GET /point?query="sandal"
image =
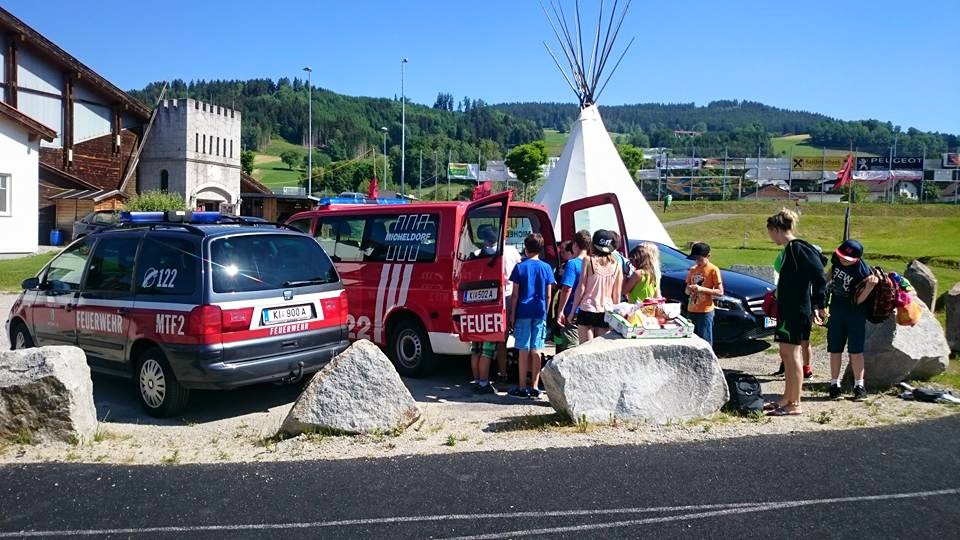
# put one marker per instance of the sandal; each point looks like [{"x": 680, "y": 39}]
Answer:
[
  {"x": 783, "y": 411},
  {"x": 771, "y": 405}
]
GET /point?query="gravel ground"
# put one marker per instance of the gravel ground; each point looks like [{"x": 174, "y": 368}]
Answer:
[{"x": 240, "y": 425}]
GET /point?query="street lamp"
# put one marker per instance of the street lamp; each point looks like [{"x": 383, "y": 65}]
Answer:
[
  {"x": 310, "y": 133},
  {"x": 386, "y": 180},
  {"x": 403, "y": 125}
]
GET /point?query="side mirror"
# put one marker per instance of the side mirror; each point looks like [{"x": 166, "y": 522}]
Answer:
[{"x": 31, "y": 283}]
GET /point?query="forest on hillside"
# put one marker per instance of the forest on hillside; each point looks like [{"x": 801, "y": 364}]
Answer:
[
  {"x": 736, "y": 126},
  {"x": 347, "y": 127}
]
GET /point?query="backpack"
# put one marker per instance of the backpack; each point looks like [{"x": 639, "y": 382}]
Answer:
[
  {"x": 745, "y": 395},
  {"x": 882, "y": 301}
]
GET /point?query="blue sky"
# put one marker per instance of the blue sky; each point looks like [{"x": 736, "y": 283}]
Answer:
[{"x": 850, "y": 59}]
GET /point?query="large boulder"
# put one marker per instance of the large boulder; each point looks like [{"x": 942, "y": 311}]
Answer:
[
  {"x": 359, "y": 391},
  {"x": 764, "y": 272},
  {"x": 893, "y": 353},
  {"x": 46, "y": 394},
  {"x": 643, "y": 380},
  {"x": 952, "y": 307},
  {"x": 924, "y": 281}
]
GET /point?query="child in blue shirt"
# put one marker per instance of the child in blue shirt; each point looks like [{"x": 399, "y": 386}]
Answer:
[{"x": 527, "y": 314}]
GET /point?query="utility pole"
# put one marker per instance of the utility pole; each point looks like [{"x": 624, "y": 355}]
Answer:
[
  {"x": 436, "y": 177},
  {"x": 420, "y": 187},
  {"x": 386, "y": 181},
  {"x": 309, "y": 133},
  {"x": 449, "y": 157},
  {"x": 403, "y": 126},
  {"x": 693, "y": 165},
  {"x": 723, "y": 194}
]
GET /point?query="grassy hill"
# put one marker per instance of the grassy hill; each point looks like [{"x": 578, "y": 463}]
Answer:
[
  {"x": 271, "y": 171},
  {"x": 556, "y": 140},
  {"x": 802, "y": 148}
]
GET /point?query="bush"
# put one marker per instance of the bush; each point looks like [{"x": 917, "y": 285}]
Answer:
[{"x": 156, "y": 201}]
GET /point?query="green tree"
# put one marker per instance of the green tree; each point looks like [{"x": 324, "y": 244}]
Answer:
[
  {"x": 632, "y": 158},
  {"x": 527, "y": 161},
  {"x": 246, "y": 162},
  {"x": 931, "y": 193},
  {"x": 855, "y": 193},
  {"x": 156, "y": 201},
  {"x": 291, "y": 158}
]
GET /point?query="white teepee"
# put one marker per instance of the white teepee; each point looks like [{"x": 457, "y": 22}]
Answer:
[{"x": 590, "y": 164}]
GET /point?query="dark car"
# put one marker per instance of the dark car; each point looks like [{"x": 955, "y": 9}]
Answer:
[
  {"x": 93, "y": 222},
  {"x": 739, "y": 312},
  {"x": 203, "y": 302}
]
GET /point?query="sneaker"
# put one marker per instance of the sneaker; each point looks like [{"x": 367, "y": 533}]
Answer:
[
  {"x": 485, "y": 389},
  {"x": 502, "y": 378},
  {"x": 835, "y": 391},
  {"x": 519, "y": 392},
  {"x": 807, "y": 372},
  {"x": 779, "y": 370},
  {"x": 859, "y": 393},
  {"x": 533, "y": 393}
]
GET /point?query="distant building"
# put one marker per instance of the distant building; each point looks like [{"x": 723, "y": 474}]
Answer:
[{"x": 193, "y": 148}]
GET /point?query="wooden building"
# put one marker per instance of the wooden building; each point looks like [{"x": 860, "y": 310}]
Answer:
[{"x": 98, "y": 126}]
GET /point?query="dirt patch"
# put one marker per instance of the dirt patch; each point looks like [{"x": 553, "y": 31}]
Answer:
[
  {"x": 264, "y": 158},
  {"x": 240, "y": 426}
]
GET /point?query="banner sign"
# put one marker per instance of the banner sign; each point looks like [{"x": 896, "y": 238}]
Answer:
[
  {"x": 463, "y": 171},
  {"x": 888, "y": 175},
  {"x": 882, "y": 163},
  {"x": 820, "y": 163},
  {"x": 678, "y": 163},
  {"x": 951, "y": 160}
]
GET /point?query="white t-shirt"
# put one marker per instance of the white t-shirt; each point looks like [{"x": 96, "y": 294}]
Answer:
[{"x": 511, "y": 258}]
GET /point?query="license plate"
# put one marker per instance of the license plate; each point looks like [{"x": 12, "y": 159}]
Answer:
[
  {"x": 479, "y": 295},
  {"x": 287, "y": 314},
  {"x": 769, "y": 322}
]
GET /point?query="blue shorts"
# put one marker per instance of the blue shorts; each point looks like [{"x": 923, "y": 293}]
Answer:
[
  {"x": 847, "y": 327},
  {"x": 529, "y": 334}
]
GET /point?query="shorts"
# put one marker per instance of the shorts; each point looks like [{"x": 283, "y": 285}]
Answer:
[
  {"x": 847, "y": 328},
  {"x": 591, "y": 319},
  {"x": 793, "y": 328},
  {"x": 486, "y": 349},
  {"x": 529, "y": 334}
]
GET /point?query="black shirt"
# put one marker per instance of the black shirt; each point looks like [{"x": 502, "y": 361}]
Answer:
[{"x": 802, "y": 284}]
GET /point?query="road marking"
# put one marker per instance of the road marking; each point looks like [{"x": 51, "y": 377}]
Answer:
[
  {"x": 759, "y": 507},
  {"x": 712, "y": 510}
]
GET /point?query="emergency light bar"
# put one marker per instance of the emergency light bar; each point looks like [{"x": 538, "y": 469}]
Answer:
[
  {"x": 173, "y": 216},
  {"x": 348, "y": 200}
]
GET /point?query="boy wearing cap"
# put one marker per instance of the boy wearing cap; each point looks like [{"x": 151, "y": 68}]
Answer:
[
  {"x": 848, "y": 316},
  {"x": 703, "y": 283},
  {"x": 533, "y": 280}
]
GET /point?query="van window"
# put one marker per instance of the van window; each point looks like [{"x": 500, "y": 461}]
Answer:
[
  {"x": 481, "y": 231},
  {"x": 302, "y": 225},
  {"x": 403, "y": 238},
  {"x": 261, "y": 262},
  {"x": 66, "y": 271},
  {"x": 518, "y": 228},
  {"x": 341, "y": 237},
  {"x": 111, "y": 267},
  {"x": 168, "y": 266}
]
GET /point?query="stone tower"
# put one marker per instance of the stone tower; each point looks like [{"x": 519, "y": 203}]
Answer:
[{"x": 194, "y": 149}]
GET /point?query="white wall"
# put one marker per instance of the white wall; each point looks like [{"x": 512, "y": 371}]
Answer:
[{"x": 18, "y": 230}]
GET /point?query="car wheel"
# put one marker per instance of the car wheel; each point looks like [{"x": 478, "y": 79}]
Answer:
[
  {"x": 409, "y": 349},
  {"x": 160, "y": 392},
  {"x": 20, "y": 337}
]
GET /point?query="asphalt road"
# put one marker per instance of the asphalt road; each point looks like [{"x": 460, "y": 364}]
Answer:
[{"x": 892, "y": 482}]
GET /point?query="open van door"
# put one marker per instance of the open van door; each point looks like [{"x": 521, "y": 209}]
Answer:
[
  {"x": 593, "y": 213},
  {"x": 479, "y": 312}
]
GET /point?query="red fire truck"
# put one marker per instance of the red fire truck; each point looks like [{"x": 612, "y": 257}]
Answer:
[{"x": 417, "y": 281}]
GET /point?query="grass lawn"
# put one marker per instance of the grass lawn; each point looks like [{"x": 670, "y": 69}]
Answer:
[
  {"x": 891, "y": 235},
  {"x": 14, "y": 271},
  {"x": 802, "y": 148},
  {"x": 274, "y": 173}
]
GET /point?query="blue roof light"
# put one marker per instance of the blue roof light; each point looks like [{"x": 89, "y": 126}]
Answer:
[
  {"x": 349, "y": 200},
  {"x": 174, "y": 216}
]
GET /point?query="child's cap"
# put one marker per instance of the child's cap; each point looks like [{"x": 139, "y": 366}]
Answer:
[
  {"x": 487, "y": 232},
  {"x": 604, "y": 241},
  {"x": 850, "y": 251},
  {"x": 700, "y": 249}
]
